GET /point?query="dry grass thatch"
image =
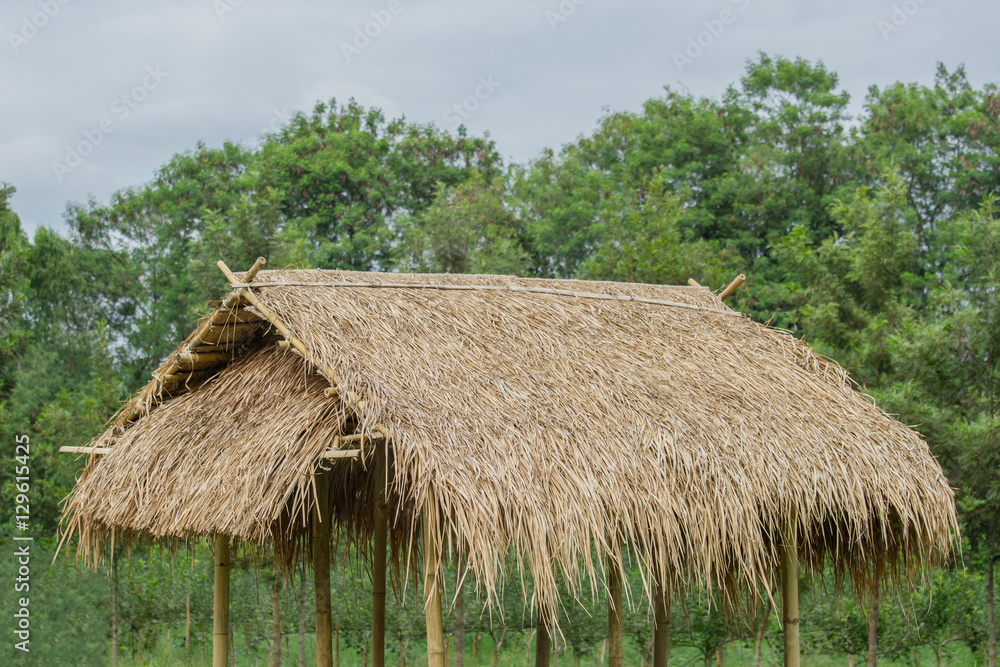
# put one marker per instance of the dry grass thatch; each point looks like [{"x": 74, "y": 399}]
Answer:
[{"x": 547, "y": 426}]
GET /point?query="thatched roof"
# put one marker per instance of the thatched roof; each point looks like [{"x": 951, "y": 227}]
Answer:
[{"x": 544, "y": 425}]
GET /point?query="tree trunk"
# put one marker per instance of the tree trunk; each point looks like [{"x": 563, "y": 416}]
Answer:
[
  {"x": 459, "y": 617},
  {"x": 720, "y": 656},
  {"x": 991, "y": 614},
  {"x": 872, "y": 629},
  {"x": 232, "y": 646},
  {"x": 336, "y": 655},
  {"x": 275, "y": 623},
  {"x": 604, "y": 646},
  {"x": 114, "y": 607},
  {"x": 850, "y": 660},
  {"x": 302, "y": 617},
  {"x": 494, "y": 655}
]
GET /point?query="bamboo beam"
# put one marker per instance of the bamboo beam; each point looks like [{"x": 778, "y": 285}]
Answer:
[
  {"x": 378, "y": 562},
  {"x": 790, "y": 593},
  {"x": 615, "y": 654},
  {"x": 728, "y": 292},
  {"x": 229, "y": 303},
  {"x": 321, "y": 572},
  {"x": 543, "y": 641},
  {"x": 199, "y": 360},
  {"x": 661, "y": 632},
  {"x": 432, "y": 590},
  {"x": 341, "y": 453},
  {"x": 220, "y": 603},
  {"x": 67, "y": 449}
]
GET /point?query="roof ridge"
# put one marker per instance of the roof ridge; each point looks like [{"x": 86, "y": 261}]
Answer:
[{"x": 490, "y": 288}]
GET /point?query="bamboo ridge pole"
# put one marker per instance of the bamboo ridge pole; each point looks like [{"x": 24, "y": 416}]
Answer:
[
  {"x": 615, "y": 652},
  {"x": 432, "y": 590},
  {"x": 378, "y": 562},
  {"x": 244, "y": 287},
  {"x": 220, "y": 603},
  {"x": 321, "y": 572},
  {"x": 790, "y": 593}
]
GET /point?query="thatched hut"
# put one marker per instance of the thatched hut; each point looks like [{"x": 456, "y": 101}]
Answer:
[{"x": 509, "y": 417}]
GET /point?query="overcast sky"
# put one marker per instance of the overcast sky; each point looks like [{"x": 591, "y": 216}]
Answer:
[{"x": 96, "y": 95}]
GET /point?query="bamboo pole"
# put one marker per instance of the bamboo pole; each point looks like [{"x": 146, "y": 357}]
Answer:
[
  {"x": 432, "y": 590},
  {"x": 321, "y": 572},
  {"x": 728, "y": 292},
  {"x": 378, "y": 562},
  {"x": 790, "y": 593},
  {"x": 71, "y": 449},
  {"x": 341, "y": 453},
  {"x": 661, "y": 633},
  {"x": 543, "y": 641},
  {"x": 220, "y": 603},
  {"x": 615, "y": 652}
]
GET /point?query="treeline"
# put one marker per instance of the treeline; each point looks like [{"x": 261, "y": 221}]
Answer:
[{"x": 876, "y": 238}]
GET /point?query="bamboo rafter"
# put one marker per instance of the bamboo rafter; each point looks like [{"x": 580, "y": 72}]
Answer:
[{"x": 243, "y": 289}]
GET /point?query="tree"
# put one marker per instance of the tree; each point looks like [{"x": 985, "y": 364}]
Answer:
[{"x": 467, "y": 229}]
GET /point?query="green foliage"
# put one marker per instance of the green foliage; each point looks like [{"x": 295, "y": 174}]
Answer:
[{"x": 879, "y": 244}]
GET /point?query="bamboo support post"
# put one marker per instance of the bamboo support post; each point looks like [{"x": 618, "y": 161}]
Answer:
[
  {"x": 378, "y": 562},
  {"x": 220, "y": 604},
  {"x": 615, "y": 650},
  {"x": 790, "y": 593},
  {"x": 661, "y": 631},
  {"x": 543, "y": 641},
  {"x": 321, "y": 572},
  {"x": 432, "y": 590},
  {"x": 728, "y": 292}
]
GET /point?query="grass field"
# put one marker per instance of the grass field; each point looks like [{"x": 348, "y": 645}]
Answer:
[{"x": 516, "y": 653}]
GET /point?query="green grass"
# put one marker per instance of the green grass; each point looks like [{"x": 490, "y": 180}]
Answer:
[{"x": 516, "y": 652}]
